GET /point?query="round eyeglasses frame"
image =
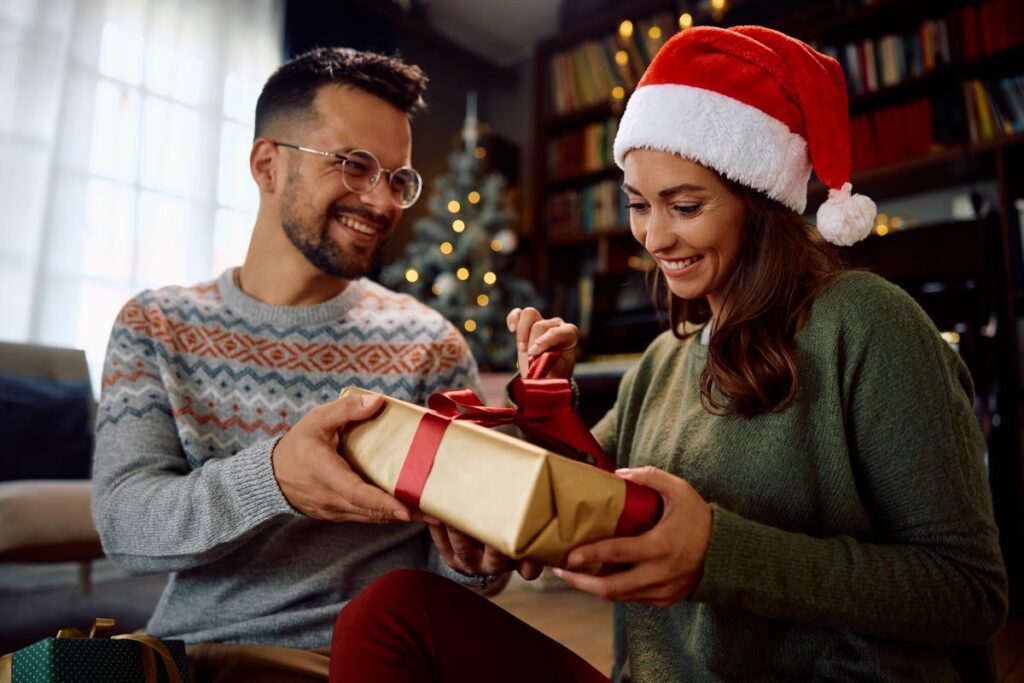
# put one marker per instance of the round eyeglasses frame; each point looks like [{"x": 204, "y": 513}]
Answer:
[{"x": 343, "y": 158}]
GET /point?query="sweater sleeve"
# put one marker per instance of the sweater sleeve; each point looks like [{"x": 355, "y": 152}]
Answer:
[
  {"x": 153, "y": 511},
  {"x": 933, "y": 571},
  {"x": 606, "y": 431}
]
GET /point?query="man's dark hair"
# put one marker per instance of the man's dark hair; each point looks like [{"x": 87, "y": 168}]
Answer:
[{"x": 292, "y": 88}]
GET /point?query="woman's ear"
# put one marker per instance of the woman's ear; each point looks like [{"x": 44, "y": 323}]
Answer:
[{"x": 262, "y": 164}]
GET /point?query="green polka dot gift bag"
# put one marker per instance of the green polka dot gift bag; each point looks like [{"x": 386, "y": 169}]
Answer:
[{"x": 72, "y": 657}]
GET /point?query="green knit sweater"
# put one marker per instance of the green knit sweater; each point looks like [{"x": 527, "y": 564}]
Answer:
[{"x": 853, "y": 536}]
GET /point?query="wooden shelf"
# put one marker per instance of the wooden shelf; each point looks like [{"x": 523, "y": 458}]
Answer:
[
  {"x": 1006, "y": 63},
  {"x": 942, "y": 168},
  {"x": 922, "y": 86},
  {"x": 565, "y": 122},
  {"x": 583, "y": 179}
]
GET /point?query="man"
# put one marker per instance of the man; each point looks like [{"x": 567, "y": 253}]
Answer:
[{"x": 216, "y": 453}]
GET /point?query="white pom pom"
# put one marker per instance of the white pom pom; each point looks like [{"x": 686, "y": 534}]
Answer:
[{"x": 844, "y": 218}]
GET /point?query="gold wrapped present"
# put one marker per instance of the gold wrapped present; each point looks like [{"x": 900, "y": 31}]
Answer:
[{"x": 524, "y": 500}]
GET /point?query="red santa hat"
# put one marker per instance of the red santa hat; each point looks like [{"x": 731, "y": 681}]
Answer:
[{"x": 758, "y": 107}]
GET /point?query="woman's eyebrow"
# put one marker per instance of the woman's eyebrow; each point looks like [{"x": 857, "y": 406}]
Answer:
[{"x": 668, "y": 191}]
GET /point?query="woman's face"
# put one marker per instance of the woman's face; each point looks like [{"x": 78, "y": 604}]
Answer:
[{"x": 688, "y": 219}]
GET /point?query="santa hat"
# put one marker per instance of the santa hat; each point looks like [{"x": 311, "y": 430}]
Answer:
[{"x": 758, "y": 107}]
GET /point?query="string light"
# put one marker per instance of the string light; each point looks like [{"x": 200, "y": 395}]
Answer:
[
  {"x": 626, "y": 29},
  {"x": 470, "y": 325},
  {"x": 483, "y": 300},
  {"x": 654, "y": 32},
  {"x": 622, "y": 58},
  {"x": 618, "y": 92},
  {"x": 473, "y": 197},
  {"x": 458, "y": 225},
  {"x": 462, "y": 273},
  {"x": 446, "y": 248},
  {"x": 479, "y": 152},
  {"x": 718, "y": 4},
  {"x": 490, "y": 278},
  {"x": 411, "y": 275},
  {"x": 454, "y": 206},
  {"x": 496, "y": 245},
  {"x": 436, "y": 289},
  {"x": 685, "y": 20},
  {"x": 896, "y": 223}
]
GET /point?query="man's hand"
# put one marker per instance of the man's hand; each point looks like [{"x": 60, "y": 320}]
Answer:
[
  {"x": 469, "y": 556},
  {"x": 317, "y": 481}
]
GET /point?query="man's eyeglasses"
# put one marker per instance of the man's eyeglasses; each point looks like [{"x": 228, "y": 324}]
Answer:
[{"x": 361, "y": 171}]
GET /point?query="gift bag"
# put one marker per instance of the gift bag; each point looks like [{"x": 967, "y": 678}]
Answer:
[
  {"x": 72, "y": 657},
  {"x": 523, "y": 499}
]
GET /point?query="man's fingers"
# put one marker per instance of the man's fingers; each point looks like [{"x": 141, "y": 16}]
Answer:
[
  {"x": 468, "y": 551},
  {"x": 360, "y": 494},
  {"x": 529, "y": 570},
  {"x": 330, "y": 417},
  {"x": 494, "y": 562}
]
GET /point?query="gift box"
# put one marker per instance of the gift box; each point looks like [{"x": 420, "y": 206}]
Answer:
[
  {"x": 525, "y": 500},
  {"x": 72, "y": 657}
]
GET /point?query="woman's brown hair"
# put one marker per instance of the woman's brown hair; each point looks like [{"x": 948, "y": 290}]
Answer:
[{"x": 784, "y": 263}]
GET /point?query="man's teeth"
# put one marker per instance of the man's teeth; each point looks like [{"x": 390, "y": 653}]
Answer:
[
  {"x": 679, "y": 265},
  {"x": 356, "y": 225}
]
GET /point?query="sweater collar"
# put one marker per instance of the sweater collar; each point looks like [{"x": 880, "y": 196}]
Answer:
[{"x": 244, "y": 306}]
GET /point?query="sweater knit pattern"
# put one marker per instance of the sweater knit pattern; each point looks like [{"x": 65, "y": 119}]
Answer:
[
  {"x": 199, "y": 385},
  {"x": 852, "y": 534}
]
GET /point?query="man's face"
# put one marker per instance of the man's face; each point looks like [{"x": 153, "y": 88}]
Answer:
[{"x": 337, "y": 230}]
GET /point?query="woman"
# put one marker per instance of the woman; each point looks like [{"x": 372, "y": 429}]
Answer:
[{"x": 826, "y": 507}]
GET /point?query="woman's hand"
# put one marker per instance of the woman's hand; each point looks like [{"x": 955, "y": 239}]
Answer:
[
  {"x": 535, "y": 335},
  {"x": 469, "y": 556},
  {"x": 666, "y": 562}
]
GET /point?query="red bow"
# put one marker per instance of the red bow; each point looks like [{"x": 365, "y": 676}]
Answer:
[{"x": 545, "y": 414}]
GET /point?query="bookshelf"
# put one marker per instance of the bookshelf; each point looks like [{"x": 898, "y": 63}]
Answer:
[{"x": 936, "y": 104}]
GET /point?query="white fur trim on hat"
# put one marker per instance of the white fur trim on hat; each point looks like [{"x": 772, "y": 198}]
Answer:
[{"x": 735, "y": 139}]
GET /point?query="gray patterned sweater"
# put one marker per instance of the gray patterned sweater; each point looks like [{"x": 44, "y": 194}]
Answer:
[{"x": 198, "y": 386}]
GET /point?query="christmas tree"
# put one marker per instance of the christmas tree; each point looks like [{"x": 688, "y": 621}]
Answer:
[{"x": 461, "y": 259}]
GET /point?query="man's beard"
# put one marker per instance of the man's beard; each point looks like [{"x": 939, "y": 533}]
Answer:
[{"x": 312, "y": 237}]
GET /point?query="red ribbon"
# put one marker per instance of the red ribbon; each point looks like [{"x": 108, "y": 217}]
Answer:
[{"x": 545, "y": 415}]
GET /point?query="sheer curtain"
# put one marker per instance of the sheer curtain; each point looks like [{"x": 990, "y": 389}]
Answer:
[{"x": 125, "y": 128}]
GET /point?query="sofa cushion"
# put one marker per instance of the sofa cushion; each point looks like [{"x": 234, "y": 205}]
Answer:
[
  {"x": 47, "y": 521},
  {"x": 45, "y": 428}
]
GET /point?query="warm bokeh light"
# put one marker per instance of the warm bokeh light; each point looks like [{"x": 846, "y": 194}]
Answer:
[
  {"x": 626, "y": 29},
  {"x": 470, "y": 325},
  {"x": 458, "y": 225},
  {"x": 622, "y": 58},
  {"x": 483, "y": 300},
  {"x": 473, "y": 197},
  {"x": 479, "y": 152},
  {"x": 462, "y": 273},
  {"x": 446, "y": 248},
  {"x": 618, "y": 92},
  {"x": 490, "y": 278},
  {"x": 454, "y": 206},
  {"x": 685, "y": 20},
  {"x": 436, "y": 289},
  {"x": 654, "y": 32},
  {"x": 717, "y": 4},
  {"x": 496, "y": 245},
  {"x": 411, "y": 275}
]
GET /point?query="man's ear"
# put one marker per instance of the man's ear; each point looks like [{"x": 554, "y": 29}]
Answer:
[{"x": 262, "y": 164}]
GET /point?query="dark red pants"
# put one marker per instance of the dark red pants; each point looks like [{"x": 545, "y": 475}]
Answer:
[{"x": 416, "y": 626}]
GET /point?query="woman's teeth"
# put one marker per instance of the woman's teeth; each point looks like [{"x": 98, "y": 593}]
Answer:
[
  {"x": 679, "y": 265},
  {"x": 356, "y": 225}
]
